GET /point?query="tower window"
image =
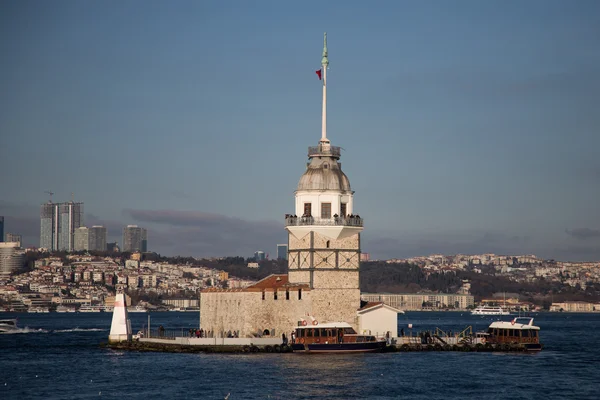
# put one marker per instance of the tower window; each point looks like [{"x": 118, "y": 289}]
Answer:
[
  {"x": 263, "y": 295},
  {"x": 299, "y": 294},
  {"x": 275, "y": 295},
  {"x": 327, "y": 244},
  {"x": 343, "y": 209},
  {"x": 326, "y": 210},
  {"x": 287, "y": 294},
  {"x": 307, "y": 209}
]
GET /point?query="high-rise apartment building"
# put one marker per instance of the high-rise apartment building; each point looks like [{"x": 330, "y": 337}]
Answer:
[
  {"x": 58, "y": 222},
  {"x": 11, "y": 258},
  {"x": 259, "y": 255},
  {"x": 282, "y": 250},
  {"x": 14, "y": 238},
  {"x": 1, "y": 228},
  {"x": 97, "y": 238},
  {"x": 82, "y": 239},
  {"x": 135, "y": 239}
]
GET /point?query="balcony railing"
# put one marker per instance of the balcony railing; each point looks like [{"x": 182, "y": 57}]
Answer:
[
  {"x": 324, "y": 150},
  {"x": 353, "y": 220}
]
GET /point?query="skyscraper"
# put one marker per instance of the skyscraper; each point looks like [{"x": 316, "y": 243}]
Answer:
[
  {"x": 282, "y": 251},
  {"x": 11, "y": 258},
  {"x": 135, "y": 239},
  {"x": 1, "y": 228},
  {"x": 97, "y": 238},
  {"x": 259, "y": 255},
  {"x": 58, "y": 222},
  {"x": 13, "y": 237},
  {"x": 82, "y": 239}
]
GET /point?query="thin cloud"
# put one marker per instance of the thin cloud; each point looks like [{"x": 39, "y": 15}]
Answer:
[
  {"x": 201, "y": 234},
  {"x": 583, "y": 233}
]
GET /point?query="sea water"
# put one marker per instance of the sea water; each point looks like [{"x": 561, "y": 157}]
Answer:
[{"x": 58, "y": 356}]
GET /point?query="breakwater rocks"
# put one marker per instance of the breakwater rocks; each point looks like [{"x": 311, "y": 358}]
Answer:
[
  {"x": 181, "y": 348},
  {"x": 479, "y": 347},
  {"x": 249, "y": 349}
]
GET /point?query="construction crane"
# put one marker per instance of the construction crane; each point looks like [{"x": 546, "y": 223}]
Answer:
[{"x": 50, "y": 193}]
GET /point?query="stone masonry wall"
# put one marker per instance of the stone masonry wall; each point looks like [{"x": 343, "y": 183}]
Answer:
[
  {"x": 333, "y": 305},
  {"x": 249, "y": 314},
  {"x": 340, "y": 279}
]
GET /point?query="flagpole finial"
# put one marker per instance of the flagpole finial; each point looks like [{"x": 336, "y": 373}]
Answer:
[
  {"x": 324, "y": 63},
  {"x": 325, "y": 60}
]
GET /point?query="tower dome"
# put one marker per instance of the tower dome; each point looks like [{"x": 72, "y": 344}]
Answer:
[{"x": 324, "y": 172}]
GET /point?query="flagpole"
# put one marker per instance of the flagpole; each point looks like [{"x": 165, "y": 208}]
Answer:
[{"x": 324, "y": 64}]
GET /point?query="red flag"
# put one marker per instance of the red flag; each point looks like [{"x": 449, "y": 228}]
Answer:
[{"x": 318, "y": 72}]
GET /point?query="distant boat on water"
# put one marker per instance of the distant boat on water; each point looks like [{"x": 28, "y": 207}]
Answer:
[
  {"x": 137, "y": 309},
  {"x": 90, "y": 308},
  {"x": 488, "y": 310},
  {"x": 65, "y": 309},
  {"x": 8, "y": 325}
]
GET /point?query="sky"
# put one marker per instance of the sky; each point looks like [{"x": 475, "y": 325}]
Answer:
[{"x": 466, "y": 126}]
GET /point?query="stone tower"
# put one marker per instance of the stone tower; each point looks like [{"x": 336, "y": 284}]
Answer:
[{"x": 324, "y": 232}]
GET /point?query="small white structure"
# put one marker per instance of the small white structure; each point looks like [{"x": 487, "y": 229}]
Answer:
[
  {"x": 120, "y": 329},
  {"x": 378, "y": 319}
]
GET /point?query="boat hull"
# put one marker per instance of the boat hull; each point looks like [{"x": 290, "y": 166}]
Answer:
[{"x": 339, "y": 347}]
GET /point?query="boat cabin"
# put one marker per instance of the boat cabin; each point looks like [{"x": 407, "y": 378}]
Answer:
[
  {"x": 519, "y": 330},
  {"x": 330, "y": 333}
]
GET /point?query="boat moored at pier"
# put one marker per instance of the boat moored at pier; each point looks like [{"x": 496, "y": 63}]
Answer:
[
  {"x": 519, "y": 332},
  {"x": 334, "y": 337}
]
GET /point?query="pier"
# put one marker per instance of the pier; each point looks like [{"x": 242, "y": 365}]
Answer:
[{"x": 176, "y": 341}]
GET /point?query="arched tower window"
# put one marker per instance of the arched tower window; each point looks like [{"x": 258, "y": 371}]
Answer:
[{"x": 327, "y": 244}]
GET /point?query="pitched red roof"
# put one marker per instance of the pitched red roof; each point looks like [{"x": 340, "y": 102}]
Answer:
[{"x": 270, "y": 283}]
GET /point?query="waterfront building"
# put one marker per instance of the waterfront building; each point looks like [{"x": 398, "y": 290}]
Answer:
[
  {"x": 13, "y": 237},
  {"x": 322, "y": 284},
  {"x": 421, "y": 301},
  {"x": 135, "y": 239},
  {"x": 575, "y": 306},
  {"x": 282, "y": 250},
  {"x": 97, "y": 238},
  {"x": 11, "y": 258},
  {"x": 58, "y": 222},
  {"x": 82, "y": 238}
]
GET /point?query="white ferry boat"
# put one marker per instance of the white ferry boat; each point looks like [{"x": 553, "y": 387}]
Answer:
[
  {"x": 137, "y": 309},
  {"x": 8, "y": 325},
  {"x": 64, "y": 309},
  {"x": 90, "y": 308},
  {"x": 519, "y": 332},
  {"x": 487, "y": 310},
  {"x": 38, "y": 310}
]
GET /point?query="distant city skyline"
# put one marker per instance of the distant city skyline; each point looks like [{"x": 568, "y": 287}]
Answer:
[{"x": 466, "y": 128}]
